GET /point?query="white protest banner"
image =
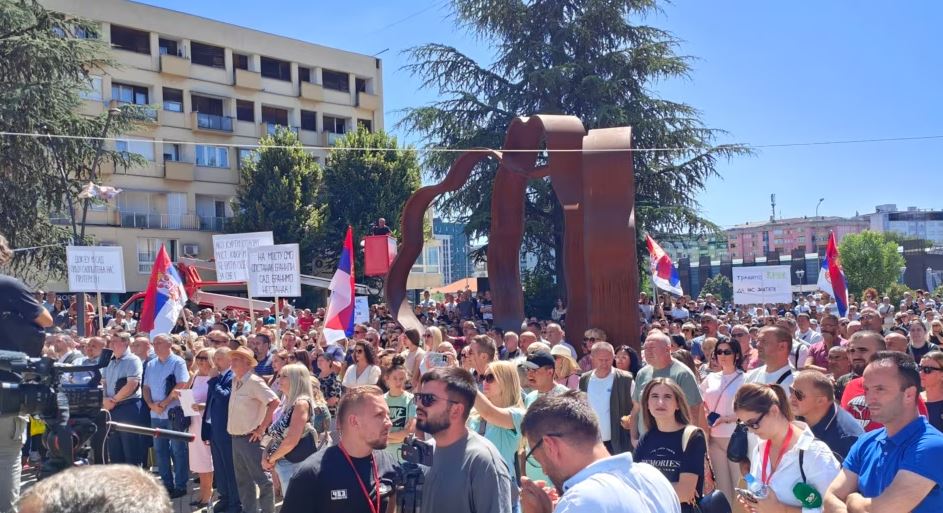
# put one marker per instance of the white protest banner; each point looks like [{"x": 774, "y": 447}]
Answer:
[
  {"x": 361, "y": 310},
  {"x": 762, "y": 284},
  {"x": 274, "y": 271},
  {"x": 230, "y": 253},
  {"x": 95, "y": 268}
]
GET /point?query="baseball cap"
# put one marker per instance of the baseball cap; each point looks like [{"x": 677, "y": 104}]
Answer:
[{"x": 537, "y": 360}]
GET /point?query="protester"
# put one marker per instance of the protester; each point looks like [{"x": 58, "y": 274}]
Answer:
[
  {"x": 365, "y": 370},
  {"x": 671, "y": 443},
  {"x": 776, "y": 345},
  {"x": 251, "y": 408},
  {"x": 98, "y": 489},
  {"x": 919, "y": 340},
  {"x": 499, "y": 411},
  {"x": 609, "y": 391},
  {"x": 788, "y": 453},
  {"x": 896, "y": 467},
  {"x": 121, "y": 383},
  {"x": 443, "y": 407},
  {"x": 292, "y": 435},
  {"x": 200, "y": 454},
  {"x": 812, "y": 398},
  {"x": 861, "y": 347},
  {"x": 481, "y": 352},
  {"x": 718, "y": 390},
  {"x": 401, "y": 405},
  {"x": 627, "y": 360},
  {"x": 413, "y": 355},
  {"x": 566, "y": 371},
  {"x": 931, "y": 379},
  {"x": 328, "y": 363},
  {"x": 562, "y": 434},
  {"x": 162, "y": 375},
  {"x": 214, "y": 429}
]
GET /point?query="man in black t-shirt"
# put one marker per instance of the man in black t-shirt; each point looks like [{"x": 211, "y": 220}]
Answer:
[{"x": 346, "y": 478}]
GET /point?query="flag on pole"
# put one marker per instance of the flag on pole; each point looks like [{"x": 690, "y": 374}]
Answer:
[
  {"x": 164, "y": 298},
  {"x": 339, "y": 320},
  {"x": 832, "y": 277},
  {"x": 664, "y": 274}
]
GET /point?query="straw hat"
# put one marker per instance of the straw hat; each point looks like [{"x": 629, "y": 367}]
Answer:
[
  {"x": 246, "y": 353},
  {"x": 564, "y": 352}
]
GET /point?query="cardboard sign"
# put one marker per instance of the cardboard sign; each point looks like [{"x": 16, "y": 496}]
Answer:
[
  {"x": 274, "y": 271},
  {"x": 762, "y": 284},
  {"x": 95, "y": 268},
  {"x": 361, "y": 310},
  {"x": 230, "y": 253}
]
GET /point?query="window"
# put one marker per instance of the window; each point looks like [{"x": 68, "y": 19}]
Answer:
[
  {"x": 247, "y": 154},
  {"x": 309, "y": 120},
  {"x": 304, "y": 74},
  {"x": 126, "y": 93},
  {"x": 124, "y": 38},
  {"x": 173, "y": 99},
  {"x": 361, "y": 85},
  {"x": 142, "y": 147},
  {"x": 277, "y": 69},
  {"x": 86, "y": 33},
  {"x": 212, "y": 156},
  {"x": 206, "y": 105},
  {"x": 245, "y": 110},
  {"x": 94, "y": 89},
  {"x": 367, "y": 124},
  {"x": 207, "y": 55},
  {"x": 336, "y": 80},
  {"x": 171, "y": 152},
  {"x": 147, "y": 252},
  {"x": 240, "y": 61},
  {"x": 334, "y": 125},
  {"x": 274, "y": 116},
  {"x": 169, "y": 47}
]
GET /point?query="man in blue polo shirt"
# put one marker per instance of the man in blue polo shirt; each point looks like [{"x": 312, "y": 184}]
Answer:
[
  {"x": 897, "y": 467},
  {"x": 161, "y": 376}
]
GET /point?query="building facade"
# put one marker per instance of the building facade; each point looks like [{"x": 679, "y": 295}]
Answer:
[
  {"x": 455, "y": 262},
  {"x": 784, "y": 236},
  {"x": 912, "y": 223},
  {"x": 215, "y": 89}
]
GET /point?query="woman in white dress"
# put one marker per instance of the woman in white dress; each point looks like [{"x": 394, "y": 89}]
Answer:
[
  {"x": 201, "y": 460},
  {"x": 365, "y": 370}
]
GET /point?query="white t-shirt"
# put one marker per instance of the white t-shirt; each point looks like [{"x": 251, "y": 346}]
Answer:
[
  {"x": 800, "y": 348},
  {"x": 715, "y": 384},
  {"x": 600, "y": 392},
  {"x": 760, "y": 375},
  {"x": 369, "y": 376},
  {"x": 809, "y": 337},
  {"x": 680, "y": 314}
]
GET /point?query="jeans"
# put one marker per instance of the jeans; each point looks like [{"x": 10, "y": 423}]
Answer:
[
  {"x": 285, "y": 469},
  {"x": 126, "y": 447},
  {"x": 224, "y": 473},
  {"x": 171, "y": 450},
  {"x": 247, "y": 461},
  {"x": 12, "y": 434}
]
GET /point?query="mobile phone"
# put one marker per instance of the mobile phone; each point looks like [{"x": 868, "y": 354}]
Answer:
[
  {"x": 747, "y": 494},
  {"x": 437, "y": 360}
]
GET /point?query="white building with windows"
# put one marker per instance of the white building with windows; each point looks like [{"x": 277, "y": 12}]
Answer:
[{"x": 911, "y": 223}]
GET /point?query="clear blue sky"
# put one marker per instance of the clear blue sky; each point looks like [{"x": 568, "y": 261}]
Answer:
[{"x": 767, "y": 72}]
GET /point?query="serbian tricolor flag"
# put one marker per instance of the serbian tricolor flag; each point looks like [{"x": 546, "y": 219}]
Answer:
[
  {"x": 339, "y": 320},
  {"x": 164, "y": 298},
  {"x": 832, "y": 277},
  {"x": 664, "y": 274}
]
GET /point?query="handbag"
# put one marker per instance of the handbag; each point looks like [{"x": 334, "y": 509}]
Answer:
[
  {"x": 716, "y": 501},
  {"x": 178, "y": 421},
  {"x": 304, "y": 448},
  {"x": 738, "y": 446}
]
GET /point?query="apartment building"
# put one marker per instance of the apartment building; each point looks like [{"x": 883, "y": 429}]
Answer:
[
  {"x": 214, "y": 87},
  {"x": 755, "y": 240},
  {"x": 911, "y": 223}
]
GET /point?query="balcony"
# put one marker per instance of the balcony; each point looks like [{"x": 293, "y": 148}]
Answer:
[
  {"x": 270, "y": 128},
  {"x": 149, "y": 220},
  {"x": 314, "y": 92},
  {"x": 368, "y": 101},
  {"x": 331, "y": 137},
  {"x": 210, "y": 122},
  {"x": 247, "y": 79},
  {"x": 214, "y": 224},
  {"x": 173, "y": 65},
  {"x": 175, "y": 170}
]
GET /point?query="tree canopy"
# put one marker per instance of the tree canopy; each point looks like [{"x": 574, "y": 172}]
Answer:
[{"x": 869, "y": 259}]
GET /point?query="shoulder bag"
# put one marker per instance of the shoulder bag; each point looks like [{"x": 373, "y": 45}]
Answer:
[{"x": 716, "y": 501}]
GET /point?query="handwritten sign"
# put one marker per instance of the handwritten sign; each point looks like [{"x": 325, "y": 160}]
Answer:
[
  {"x": 95, "y": 268},
  {"x": 274, "y": 271},
  {"x": 230, "y": 253},
  {"x": 361, "y": 310},
  {"x": 762, "y": 284}
]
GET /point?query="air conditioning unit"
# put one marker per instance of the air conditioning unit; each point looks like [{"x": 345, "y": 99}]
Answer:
[{"x": 191, "y": 250}]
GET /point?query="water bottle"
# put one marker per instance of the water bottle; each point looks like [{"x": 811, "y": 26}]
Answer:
[{"x": 755, "y": 486}]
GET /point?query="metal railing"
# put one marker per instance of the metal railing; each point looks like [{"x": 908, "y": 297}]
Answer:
[
  {"x": 214, "y": 122},
  {"x": 271, "y": 128},
  {"x": 151, "y": 221}
]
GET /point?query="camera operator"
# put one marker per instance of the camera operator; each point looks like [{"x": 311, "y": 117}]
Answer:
[
  {"x": 468, "y": 474},
  {"x": 345, "y": 478},
  {"x": 20, "y": 313},
  {"x": 122, "y": 380}
]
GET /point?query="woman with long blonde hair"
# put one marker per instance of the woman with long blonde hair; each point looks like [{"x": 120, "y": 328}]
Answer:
[
  {"x": 499, "y": 409},
  {"x": 291, "y": 424}
]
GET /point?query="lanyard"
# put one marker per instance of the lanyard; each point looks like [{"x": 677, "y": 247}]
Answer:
[
  {"x": 376, "y": 479},
  {"x": 782, "y": 451}
]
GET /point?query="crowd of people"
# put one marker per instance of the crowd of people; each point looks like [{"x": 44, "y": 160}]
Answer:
[{"x": 751, "y": 401}]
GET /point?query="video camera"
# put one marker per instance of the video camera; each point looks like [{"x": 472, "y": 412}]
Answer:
[{"x": 417, "y": 457}]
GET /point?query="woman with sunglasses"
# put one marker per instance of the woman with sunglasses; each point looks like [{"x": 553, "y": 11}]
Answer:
[
  {"x": 936, "y": 332},
  {"x": 774, "y": 463},
  {"x": 364, "y": 371},
  {"x": 279, "y": 360},
  {"x": 666, "y": 417},
  {"x": 201, "y": 458},
  {"x": 931, "y": 379},
  {"x": 718, "y": 390},
  {"x": 499, "y": 410},
  {"x": 292, "y": 422},
  {"x": 590, "y": 337}
]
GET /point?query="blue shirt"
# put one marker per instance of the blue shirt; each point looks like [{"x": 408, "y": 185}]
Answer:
[
  {"x": 618, "y": 485},
  {"x": 124, "y": 366},
  {"x": 918, "y": 448},
  {"x": 155, "y": 378},
  {"x": 264, "y": 368}
]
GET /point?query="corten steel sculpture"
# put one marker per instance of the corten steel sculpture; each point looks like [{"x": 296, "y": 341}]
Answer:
[{"x": 597, "y": 191}]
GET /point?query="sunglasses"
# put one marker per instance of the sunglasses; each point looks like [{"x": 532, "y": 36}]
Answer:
[
  {"x": 489, "y": 378},
  {"x": 202, "y": 358},
  {"x": 359, "y": 332},
  {"x": 428, "y": 335},
  {"x": 585, "y": 339},
  {"x": 754, "y": 424},
  {"x": 800, "y": 395},
  {"x": 427, "y": 400},
  {"x": 738, "y": 335},
  {"x": 925, "y": 369},
  {"x": 358, "y": 351},
  {"x": 723, "y": 352}
]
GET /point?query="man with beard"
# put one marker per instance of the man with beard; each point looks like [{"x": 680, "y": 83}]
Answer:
[
  {"x": 346, "y": 478},
  {"x": 468, "y": 473}
]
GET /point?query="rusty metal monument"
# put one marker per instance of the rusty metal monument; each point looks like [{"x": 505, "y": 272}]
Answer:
[{"x": 591, "y": 174}]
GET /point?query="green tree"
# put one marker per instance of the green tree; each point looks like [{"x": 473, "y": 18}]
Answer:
[
  {"x": 45, "y": 63},
  {"x": 278, "y": 191},
  {"x": 896, "y": 292},
  {"x": 869, "y": 259},
  {"x": 720, "y": 286},
  {"x": 361, "y": 186},
  {"x": 589, "y": 58}
]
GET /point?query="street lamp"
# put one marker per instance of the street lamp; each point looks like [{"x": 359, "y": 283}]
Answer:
[
  {"x": 817, "y": 206},
  {"x": 800, "y": 273}
]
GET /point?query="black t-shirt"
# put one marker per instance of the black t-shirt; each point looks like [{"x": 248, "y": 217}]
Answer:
[
  {"x": 920, "y": 352},
  {"x": 935, "y": 414},
  {"x": 662, "y": 450},
  {"x": 19, "y": 310},
  {"x": 324, "y": 483}
]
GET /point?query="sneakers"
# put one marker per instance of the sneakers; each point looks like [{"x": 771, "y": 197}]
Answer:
[{"x": 177, "y": 493}]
